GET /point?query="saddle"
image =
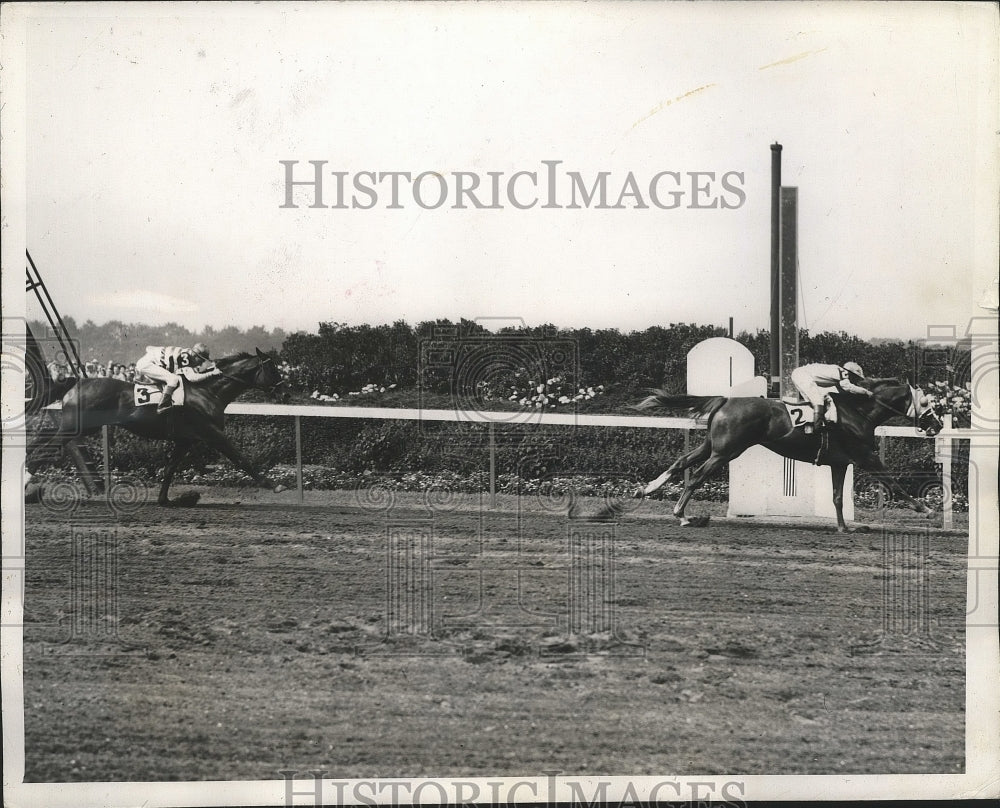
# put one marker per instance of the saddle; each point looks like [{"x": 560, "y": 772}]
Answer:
[{"x": 149, "y": 394}]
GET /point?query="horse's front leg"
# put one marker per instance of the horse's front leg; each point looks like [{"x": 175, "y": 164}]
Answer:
[
  {"x": 874, "y": 466},
  {"x": 177, "y": 454},
  {"x": 838, "y": 475},
  {"x": 218, "y": 441}
]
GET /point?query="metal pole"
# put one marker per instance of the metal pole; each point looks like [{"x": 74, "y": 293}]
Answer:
[
  {"x": 946, "y": 481},
  {"x": 106, "y": 446},
  {"x": 687, "y": 446},
  {"x": 493, "y": 467},
  {"x": 881, "y": 456},
  {"x": 52, "y": 315},
  {"x": 789, "y": 313},
  {"x": 775, "y": 356},
  {"x": 298, "y": 456}
]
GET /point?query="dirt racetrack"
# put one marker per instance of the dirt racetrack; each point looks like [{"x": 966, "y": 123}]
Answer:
[{"x": 397, "y": 635}]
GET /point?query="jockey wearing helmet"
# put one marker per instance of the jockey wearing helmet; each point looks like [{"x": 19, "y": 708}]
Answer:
[
  {"x": 816, "y": 381},
  {"x": 163, "y": 364}
]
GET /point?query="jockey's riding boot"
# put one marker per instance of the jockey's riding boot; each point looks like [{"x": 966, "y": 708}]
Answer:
[
  {"x": 166, "y": 402},
  {"x": 819, "y": 421}
]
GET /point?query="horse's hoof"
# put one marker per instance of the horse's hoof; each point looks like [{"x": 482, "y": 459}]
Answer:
[{"x": 186, "y": 500}]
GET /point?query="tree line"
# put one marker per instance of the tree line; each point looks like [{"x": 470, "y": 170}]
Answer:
[{"x": 338, "y": 357}]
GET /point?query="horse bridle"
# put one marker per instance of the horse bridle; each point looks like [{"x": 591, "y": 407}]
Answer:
[
  {"x": 913, "y": 405},
  {"x": 262, "y": 360},
  {"x": 270, "y": 390}
]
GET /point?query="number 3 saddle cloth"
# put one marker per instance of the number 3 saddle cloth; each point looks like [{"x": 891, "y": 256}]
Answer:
[{"x": 145, "y": 394}]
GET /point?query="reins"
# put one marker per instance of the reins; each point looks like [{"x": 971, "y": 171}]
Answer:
[
  {"x": 917, "y": 415},
  {"x": 260, "y": 365},
  {"x": 894, "y": 411}
]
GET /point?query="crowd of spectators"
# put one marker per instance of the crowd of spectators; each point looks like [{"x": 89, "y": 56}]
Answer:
[{"x": 94, "y": 370}]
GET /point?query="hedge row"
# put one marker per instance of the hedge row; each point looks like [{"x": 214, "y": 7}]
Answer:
[{"x": 351, "y": 447}]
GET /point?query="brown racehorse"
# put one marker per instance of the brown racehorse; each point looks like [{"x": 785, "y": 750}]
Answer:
[
  {"x": 93, "y": 403},
  {"x": 736, "y": 424}
]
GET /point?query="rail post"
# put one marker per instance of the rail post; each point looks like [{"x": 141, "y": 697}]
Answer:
[
  {"x": 298, "y": 457},
  {"x": 493, "y": 466},
  {"x": 945, "y": 447},
  {"x": 881, "y": 488},
  {"x": 106, "y": 447},
  {"x": 687, "y": 447}
]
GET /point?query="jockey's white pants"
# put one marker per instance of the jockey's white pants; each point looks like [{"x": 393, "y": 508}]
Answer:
[
  {"x": 158, "y": 373},
  {"x": 806, "y": 385}
]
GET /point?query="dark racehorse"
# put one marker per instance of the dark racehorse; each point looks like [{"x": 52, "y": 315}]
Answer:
[
  {"x": 93, "y": 403},
  {"x": 736, "y": 424}
]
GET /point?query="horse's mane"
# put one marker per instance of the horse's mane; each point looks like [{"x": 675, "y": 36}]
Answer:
[
  {"x": 876, "y": 385},
  {"x": 226, "y": 361}
]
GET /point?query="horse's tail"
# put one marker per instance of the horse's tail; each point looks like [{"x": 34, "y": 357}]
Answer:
[
  {"x": 60, "y": 389},
  {"x": 705, "y": 406},
  {"x": 50, "y": 391}
]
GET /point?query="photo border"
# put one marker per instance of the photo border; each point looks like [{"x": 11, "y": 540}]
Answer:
[{"x": 983, "y": 659}]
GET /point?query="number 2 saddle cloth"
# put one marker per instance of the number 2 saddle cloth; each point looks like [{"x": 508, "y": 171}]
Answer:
[{"x": 801, "y": 412}]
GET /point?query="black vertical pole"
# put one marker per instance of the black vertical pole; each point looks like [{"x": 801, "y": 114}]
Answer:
[
  {"x": 36, "y": 285},
  {"x": 789, "y": 287},
  {"x": 775, "y": 356}
]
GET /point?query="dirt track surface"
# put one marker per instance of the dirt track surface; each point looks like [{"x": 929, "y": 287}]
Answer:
[{"x": 405, "y": 636}]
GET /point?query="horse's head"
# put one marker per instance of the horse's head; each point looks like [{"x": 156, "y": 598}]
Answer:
[
  {"x": 257, "y": 371},
  {"x": 268, "y": 378},
  {"x": 927, "y": 412},
  {"x": 902, "y": 399}
]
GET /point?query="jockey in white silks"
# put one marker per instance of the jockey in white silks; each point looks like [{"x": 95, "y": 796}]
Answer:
[
  {"x": 164, "y": 364},
  {"x": 816, "y": 381}
]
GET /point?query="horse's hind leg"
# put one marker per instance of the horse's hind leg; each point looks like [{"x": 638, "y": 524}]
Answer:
[
  {"x": 45, "y": 447},
  {"x": 686, "y": 460},
  {"x": 706, "y": 469}
]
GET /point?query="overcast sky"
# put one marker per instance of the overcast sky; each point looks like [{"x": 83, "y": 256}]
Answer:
[{"x": 154, "y": 136}]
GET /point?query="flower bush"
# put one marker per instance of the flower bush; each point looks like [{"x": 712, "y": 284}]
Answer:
[
  {"x": 368, "y": 390},
  {"x": 550, "y": 393},
  {"x": 954, "y": 399}
]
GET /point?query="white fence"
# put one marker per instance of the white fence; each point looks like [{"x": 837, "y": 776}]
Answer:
[{"x": 542, "y": 418}]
